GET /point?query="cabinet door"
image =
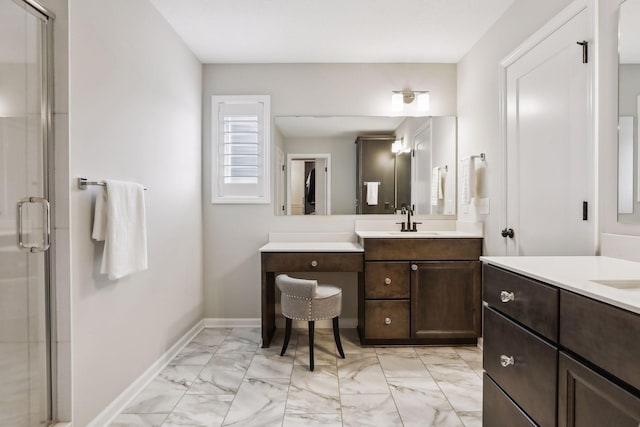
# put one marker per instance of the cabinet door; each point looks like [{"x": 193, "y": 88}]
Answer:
[
  {"x": 586, "y": 399},
  {"x": 445, "y": 299}
]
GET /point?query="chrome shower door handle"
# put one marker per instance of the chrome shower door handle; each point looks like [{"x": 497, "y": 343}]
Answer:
[{"x": 46, "y": 224}]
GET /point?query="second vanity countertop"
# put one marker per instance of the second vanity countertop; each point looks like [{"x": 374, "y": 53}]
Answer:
[
  {"x": 581, "y": 274},
  {"x": 446, "y": 234}
]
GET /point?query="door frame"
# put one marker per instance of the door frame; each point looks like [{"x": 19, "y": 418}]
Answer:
[
  {"x": 530, "y": 43},
  {"x": 309, "y": 156}
]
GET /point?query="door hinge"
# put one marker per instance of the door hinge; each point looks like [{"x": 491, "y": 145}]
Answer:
[
  {"x": 413, "y": 153},
  {"x": 282, "y": 208},
  {"x": 325, "y": 169},
  {"x": 585, "y": 211},
  {"x": 585, "y": 51},
  {"x": 282, "y": 168}
]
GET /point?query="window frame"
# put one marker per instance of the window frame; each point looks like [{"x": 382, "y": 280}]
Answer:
[{"x": 265, "y": 152}]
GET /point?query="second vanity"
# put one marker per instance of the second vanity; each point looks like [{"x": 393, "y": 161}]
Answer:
[{"x": 561, "y": 341}]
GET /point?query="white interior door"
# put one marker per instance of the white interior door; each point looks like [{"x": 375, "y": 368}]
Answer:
[
  {"x": 549, "y": 149},
  {"x": 321, "y": 186}
]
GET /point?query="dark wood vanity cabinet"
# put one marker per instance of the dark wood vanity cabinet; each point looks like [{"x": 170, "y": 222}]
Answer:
[
  {"x": 555, "y": 357},
  {"x": 588, "y": 399},
  {"x": 421, "y": 291},
  {"x": 445, "y": 299}
]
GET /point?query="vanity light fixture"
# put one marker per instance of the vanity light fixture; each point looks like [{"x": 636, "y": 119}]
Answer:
[
  {"x": 397, "y": 146},
  {"x": 400, "y": 99}
]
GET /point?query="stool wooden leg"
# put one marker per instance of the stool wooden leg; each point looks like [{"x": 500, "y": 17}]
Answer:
[
  {"x": 336, "y": 335},
  {"x": 287, "y": 335},
  {"x": 312, "y": 326}
]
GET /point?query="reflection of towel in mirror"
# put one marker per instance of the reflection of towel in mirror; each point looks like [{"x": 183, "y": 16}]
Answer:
[
  {"x": 372, "y": 193},
  {"x": 436, "y": 186},
  {"x": 467, "y": 181}
]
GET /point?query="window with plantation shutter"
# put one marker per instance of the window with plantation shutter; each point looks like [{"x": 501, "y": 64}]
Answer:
[{"x": 240, "y": 149}]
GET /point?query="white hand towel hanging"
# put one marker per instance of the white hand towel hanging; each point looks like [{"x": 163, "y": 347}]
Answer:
[
  {"x": 372, "y": 193},
  {"x": 125, "y": 233},
  {"x": 468, "y": 181}
]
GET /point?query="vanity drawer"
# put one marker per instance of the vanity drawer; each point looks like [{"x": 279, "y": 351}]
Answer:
[
  {"x": 523, "y": 365},
  {"x": 607, "y": 336},
  {"x": 527, "y": 301},
  {"x": 425, "y": 249},
  {"x": 386, "y": 280},
  {"x": 386, "y": 318},
  {"x": 312, "y": 261},
  {"x": 498, "y": 410}
]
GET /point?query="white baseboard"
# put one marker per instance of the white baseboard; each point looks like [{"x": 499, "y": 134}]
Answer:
[
  {"x": 231, "y": 323},
  {"x": 122, "y": 401}
]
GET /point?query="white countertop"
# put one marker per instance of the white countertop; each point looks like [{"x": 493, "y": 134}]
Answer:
[
  {"x": 312, "y": 247},
  {"x": 577, "y": 273},
  {"x": 444, "y": 234}
]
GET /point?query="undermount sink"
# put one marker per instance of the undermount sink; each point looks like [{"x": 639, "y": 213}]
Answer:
[
  {"x": 413, "y": 233},
  {"x": 632, "y": 285}
]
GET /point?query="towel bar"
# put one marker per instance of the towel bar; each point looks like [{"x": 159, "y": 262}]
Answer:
[
  {"x": 84, "y": 182},
  {"x": 480, "y": 156}
]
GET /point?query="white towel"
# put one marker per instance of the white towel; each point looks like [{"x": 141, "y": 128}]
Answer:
[
  {"x": 435, "y": 186},
  {"x": 120, "y": 221},
  {"x": 100, "y": 217},
  {"x": 372, "y": 193},
  {"x": 467, "y": 190}
]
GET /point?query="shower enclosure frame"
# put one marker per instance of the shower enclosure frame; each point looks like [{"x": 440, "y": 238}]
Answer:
[{"x": 46, "y": 18}]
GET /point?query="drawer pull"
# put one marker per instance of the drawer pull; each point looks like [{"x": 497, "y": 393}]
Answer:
[
  {"x": 387, "y": 281},
  {"x": 506, "y": 296},
  {"x": 505, "y": 361},
  {"x": 314, "y": 263},
  {"x": 414, "y": 267},
  {"x": 387, "y": 320}
]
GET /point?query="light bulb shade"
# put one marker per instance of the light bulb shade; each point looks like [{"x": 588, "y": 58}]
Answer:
[
  {"x": 396, "y": 102},
  {"x": 396, "y": 147},
  {"x": 424, "y": 102}
]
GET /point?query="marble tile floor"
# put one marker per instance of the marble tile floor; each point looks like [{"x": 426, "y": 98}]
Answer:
[{"x": 224, "y": 378}]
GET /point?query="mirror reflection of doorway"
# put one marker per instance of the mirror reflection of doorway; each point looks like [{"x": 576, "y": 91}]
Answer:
[{"x": 308, "y": 186}]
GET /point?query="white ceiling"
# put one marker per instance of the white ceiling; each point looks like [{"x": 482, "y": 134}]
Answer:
[{"x": 307, "y": 31}]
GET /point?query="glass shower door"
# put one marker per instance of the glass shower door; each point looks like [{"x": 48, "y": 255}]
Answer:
[{"x": 24, "y": 219}]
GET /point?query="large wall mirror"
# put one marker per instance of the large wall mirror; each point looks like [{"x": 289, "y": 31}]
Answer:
[
  {"x": 628, "y": 110},
  {"x": 345, "y": 165}
]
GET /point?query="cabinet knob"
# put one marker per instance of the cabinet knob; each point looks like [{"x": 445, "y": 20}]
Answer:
[
  {"x": 506, "y": 360},
  {"x": 387, "y": 320},
  {"x": 314, "y": 263},
  {"x": 387, "y": 281},
  {"x": 414, "y": 267},
  {"x": 506, "y": 296}
]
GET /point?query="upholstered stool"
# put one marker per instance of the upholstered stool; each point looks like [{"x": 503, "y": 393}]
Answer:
[{"x": 304, "y": 300}]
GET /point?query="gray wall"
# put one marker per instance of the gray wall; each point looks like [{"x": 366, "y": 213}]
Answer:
[
  {"x": 234, "y": 233},
  {"x": 135, "y": 114}
]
